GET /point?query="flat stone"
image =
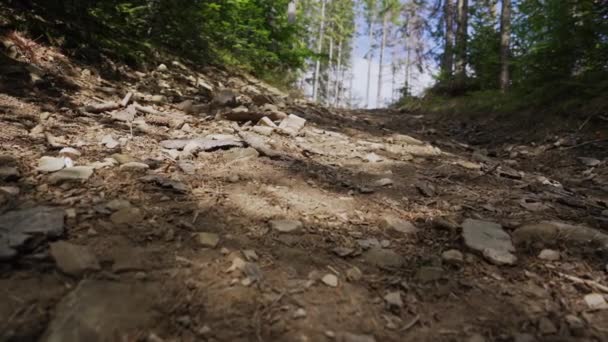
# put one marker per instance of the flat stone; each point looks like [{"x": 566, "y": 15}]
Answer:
[
  {"x": 549, "y": 255},
  {"x": 72, "y": 259},
  {"x": 286, "y": 226},
  {"x": 553, "y": 232},
  {"x": 10, "y": 190},
  {"x": 71, "y": 174},
  {"x": 102, "y": 310},
  {"x": 398, "y": 225},
  {"x": 382, "y": 182},
  {"x": 292, "y": 125},
  {"x": 596, "y": 301},
  {"x": 69, "y": 152},
  {"x": 134, "y": 166},
  {"x": 240, "y": 154},
  {"x": 50, "y": 164},
  {"x": 393, "y": 300},
  {"x": 383, "y": 258},
  {"x": 128, "y": 215},
  {"x": 591, "y": 162},
  {"x": 490, "y": 239},
  {"x": 452, "y": 256},
  {"x": 427, "y": 274},
  {"x": 17, "y": 227},
  {"x": 330, "y": 280},
  {"x": 499, "y": 257},
  {"x": 109, "y": 142},
  {"x": 207, "y": 240},
  {"x": 123, "y": 158},
  {"x": 405, "y": 139}
]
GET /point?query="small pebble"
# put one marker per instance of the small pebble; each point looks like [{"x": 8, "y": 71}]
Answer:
[{"x": 330, "y": 280}]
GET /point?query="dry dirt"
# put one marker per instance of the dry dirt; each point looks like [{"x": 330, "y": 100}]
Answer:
[{"x": 341, "y": 177}]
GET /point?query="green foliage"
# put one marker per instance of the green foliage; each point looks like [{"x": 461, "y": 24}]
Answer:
[
  {"x": 253, "y": 34},
  {"x": 558, "y": 59}
]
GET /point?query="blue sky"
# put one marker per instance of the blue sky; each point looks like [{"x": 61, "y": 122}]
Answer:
[{"x": 419, "y": 81}]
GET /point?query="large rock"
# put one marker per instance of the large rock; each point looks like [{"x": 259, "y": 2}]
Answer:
[
  {"x": 9, "y": 173},
  {"x": 18, "y": 227},
  {"x": 71, "y": 174},
  {"x": 292, "y": 125},
  {"x": 100, "y": 311},
  {"x": 489, "y": 239},
  {"x": 548, "y": 233},
  {"x": 398, "y": 225},
  {"x": 72, "y": 259},
  {"x": 50, "y": 164}
]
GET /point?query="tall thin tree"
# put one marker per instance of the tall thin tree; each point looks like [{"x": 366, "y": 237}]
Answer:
[
  {"x": 315, "y": 87},
  {"x": 460, "y": 69},
  {"x": 448, "y": 50},
  {"x": 505, "y": 42}
]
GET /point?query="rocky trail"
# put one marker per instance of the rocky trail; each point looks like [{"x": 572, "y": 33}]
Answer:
[{"x": 177, "y": 205}]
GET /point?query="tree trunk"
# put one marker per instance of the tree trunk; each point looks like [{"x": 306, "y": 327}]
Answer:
[
  {"x": 337, "y": 78},
  {"x": 448, "y": 53},
  {"x": 505, "y": 40},
  {"x": 315, "y": 87},
  {"x": 370, "y": 55},
  {"x": 380, "y": 65},
  {"x": 330, "y": 66},
  {"x": 407, "y": 73},
  {"x": 461, "y": 43}
]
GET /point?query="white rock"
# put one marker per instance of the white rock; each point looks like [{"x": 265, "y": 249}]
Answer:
[
  {"x": 77, "y": 173},
  {"x": 330, "y": 280},
  {"x": 490, "y": 239},
  {"x": 398, "y": 225},
  {"x": 373, "y": 158},
  {"x": 299, "y": 313},
  {"x": 207, "y": 240},
  {"x": 134, "y": 166},
  {"x": 393, "y": 299},
  {"x": 293, "y": 124},
  {"x": 549, "y": 255},
  {"x": 452, "y": 256},
  {"x": 70, "y": 152},
  {"x": 286, "y": 226},
  {"x": 596, "y": 301},
  {"x": 50, "y": 164},
  {"x": 109, "y": 142}
]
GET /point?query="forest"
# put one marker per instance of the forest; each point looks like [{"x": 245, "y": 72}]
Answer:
[
  {"x": 537, "y": 50},
  {"x": 303, "y": 170}
]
